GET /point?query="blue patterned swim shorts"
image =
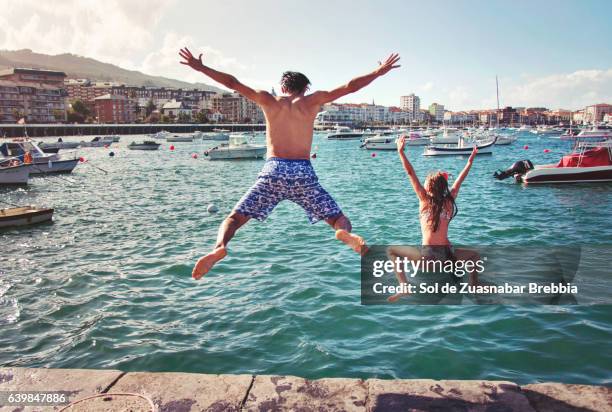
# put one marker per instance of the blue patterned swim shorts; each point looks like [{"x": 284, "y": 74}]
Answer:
[{"x": 289, "y": 179}]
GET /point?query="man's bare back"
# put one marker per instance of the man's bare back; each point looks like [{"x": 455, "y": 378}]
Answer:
[{"x": 289, "y": 126}]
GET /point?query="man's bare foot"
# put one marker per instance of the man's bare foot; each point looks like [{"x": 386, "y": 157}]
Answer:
[
  {"x": 397, "y": 297},
  {"x": 205, "y": 263},
  {"x": 354, "y": 241}
]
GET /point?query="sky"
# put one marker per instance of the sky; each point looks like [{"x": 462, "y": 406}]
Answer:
[{"x": 555, "y": 54}]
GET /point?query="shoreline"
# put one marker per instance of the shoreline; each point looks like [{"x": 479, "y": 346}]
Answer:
[{"x": 176, "y": 391}]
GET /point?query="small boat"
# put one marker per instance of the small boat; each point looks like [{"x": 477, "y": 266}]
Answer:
[
  {"x": 42, "y": 163},
  {"x": 459, "y": 150},
  {"x": 98, "y": 141},
  {"x": 238, "y": 147},
  {"x": 17, "y": 174},
  {"x": 54, "y": 147},
  {"x": 116, "y": 138},
  {"x": 216, "y": 136},
  {"x": 345, "y": 133},
  {"x": 447, "y": 136},
  {"x": 379, "y": 142},
  {"x": 593, "y": 134},
  {"x": 588, "y": 162},
  {"x": 159, "y": 135},
  {"x": 178, "y": 138},
  {"x": 505, "y": 140},
  {"x": 146, "y": 145},
  {"x": 24, "y": 216}
]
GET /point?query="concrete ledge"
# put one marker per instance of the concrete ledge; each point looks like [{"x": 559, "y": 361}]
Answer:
[{"x": 186, "y": 392}]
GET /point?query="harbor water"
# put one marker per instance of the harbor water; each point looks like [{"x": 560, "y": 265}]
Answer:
[{"x": 108, "y": 285}]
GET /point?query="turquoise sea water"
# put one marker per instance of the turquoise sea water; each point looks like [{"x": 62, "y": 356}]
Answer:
[{"x": 108, "y": 285}]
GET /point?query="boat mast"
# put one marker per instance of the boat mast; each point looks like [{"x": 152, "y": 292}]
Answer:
[{"x": 497, "y": 92}]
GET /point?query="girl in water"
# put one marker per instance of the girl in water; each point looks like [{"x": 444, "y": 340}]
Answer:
[{"x": 436, "y": 209}]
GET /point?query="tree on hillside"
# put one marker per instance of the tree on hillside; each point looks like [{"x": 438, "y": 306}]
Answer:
[{"x": 200, "y": 117}]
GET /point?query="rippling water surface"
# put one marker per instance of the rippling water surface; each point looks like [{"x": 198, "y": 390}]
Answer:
[{"x": 108, "y": 285}]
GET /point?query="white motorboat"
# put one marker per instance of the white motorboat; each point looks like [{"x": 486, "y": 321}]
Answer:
[
  {"x": 42, "y": 163},
  {"x": 379, "y": 142},
  {"x": 593, "y": 134},
  {"x": 589, "y": 162},
  {"x": 460, "y": 149},
  {"x": 16, "y": 174},
  {"x": 345, "y": 133},
  {"x": 98, "y": 141},
  {"x": 216, "y": 136},
  {"x": 180, "y": 138},
  {"x": 447, "y": 136},
  {"x": 238, "y": 147},
  {"x": 547, "y": 131},
  {"x": 525, "y": 128},
  {"x": 24, "y": 216},
  {"x": 50, "y": 147},
  {"x": 163, "y": 134},
  {"x": 146, "y": 145},
  {"x": 504, "y": 140}
]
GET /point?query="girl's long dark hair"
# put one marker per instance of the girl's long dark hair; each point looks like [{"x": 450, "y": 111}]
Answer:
[{"x": 438, "y": 194}]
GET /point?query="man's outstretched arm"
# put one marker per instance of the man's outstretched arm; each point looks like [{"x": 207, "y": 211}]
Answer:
[
  {"x": 322, "y": 97},
  {"x": 258, "y": 96}
]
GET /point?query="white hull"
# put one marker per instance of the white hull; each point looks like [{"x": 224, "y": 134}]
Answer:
[
  {"x": 503, "y": 141},
  {"x": 458, "y": 151},
  {"x": 16, "y": 175},
  {"x": 445, "y": 140},
  {"x": 177, "y": 139},
  {"x": 143, "y": 147},
  {"x": 551, "y": 174},
  {"x": 223, "y": 153},
  {"x": 101, "y": 143},
  {"x": 55, "y": 167},
  {"x": 59, "y": 145}
]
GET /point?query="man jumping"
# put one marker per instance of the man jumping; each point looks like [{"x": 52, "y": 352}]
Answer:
[{"x": 287, "y": 173}]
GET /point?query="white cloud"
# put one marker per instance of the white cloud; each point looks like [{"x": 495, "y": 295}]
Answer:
[
  {"x": 427, "y": 86},
  {"x": 569, "y": 90},
  {"x": 165, "y": 60},
  {"x": 110, "y": 30}
]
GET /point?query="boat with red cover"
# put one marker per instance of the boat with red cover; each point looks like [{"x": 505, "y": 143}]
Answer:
[{"x": 589, "y": 162}]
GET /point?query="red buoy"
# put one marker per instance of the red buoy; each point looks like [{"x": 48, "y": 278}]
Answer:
[
  {"x": 373, "y": 154},
  {"x": 82, "y": 159},
  {"x": 171, "y": 147},
  {"x": 546, "y": 150},
  {"x": 195, "y": 155},
  {"x": 525, "y": 147}
]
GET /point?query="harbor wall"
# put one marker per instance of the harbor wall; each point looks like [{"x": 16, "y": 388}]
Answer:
[{"x": 171, "y": 391}]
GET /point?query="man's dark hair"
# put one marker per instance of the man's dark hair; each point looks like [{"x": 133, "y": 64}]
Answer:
[{"x": 294, "y": 82}]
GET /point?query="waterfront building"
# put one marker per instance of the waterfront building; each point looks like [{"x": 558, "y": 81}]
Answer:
[
  {"x": 595, "y": 113},
  {"x": 436, "y": 111},
  {"x": 112, "y": 108},
  {"x": 412, "y": 104},
  {"x": 236, "y": 108},
  {"x": 37, "y": 76},
  {"x": 32, "y": 94},
  {"x": 175, "y": 109}
]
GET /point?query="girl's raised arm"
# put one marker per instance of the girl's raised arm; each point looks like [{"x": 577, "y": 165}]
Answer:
[{"x": 416, "y": 184}]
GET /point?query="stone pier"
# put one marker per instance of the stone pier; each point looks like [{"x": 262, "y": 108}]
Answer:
[{"x": 113, "y": 390}]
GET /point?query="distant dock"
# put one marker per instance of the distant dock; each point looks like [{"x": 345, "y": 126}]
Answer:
[
  {"x": 88, "y": 129},
  {"x": 198, "y": 392}
]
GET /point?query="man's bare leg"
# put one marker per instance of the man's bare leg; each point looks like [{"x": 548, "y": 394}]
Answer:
[
  {"x": 343, "y": 233},
  {"x": 226, "y": 232}
]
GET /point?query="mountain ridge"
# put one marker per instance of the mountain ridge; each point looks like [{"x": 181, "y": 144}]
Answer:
[{"x": 80, "y": 67}]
